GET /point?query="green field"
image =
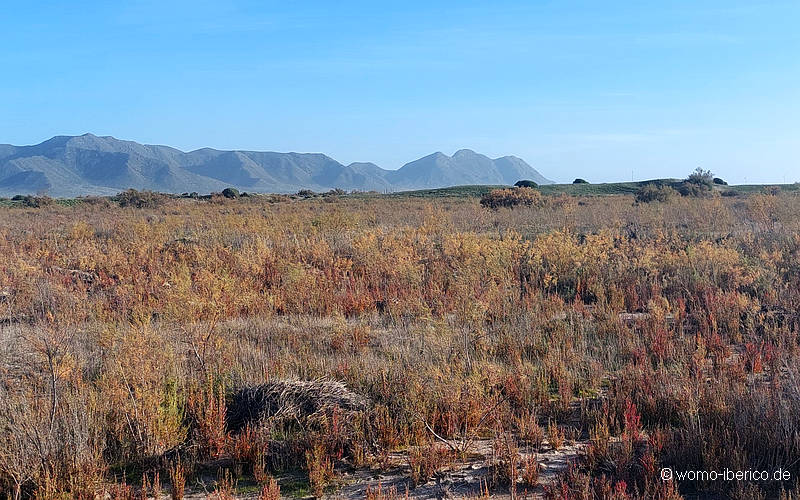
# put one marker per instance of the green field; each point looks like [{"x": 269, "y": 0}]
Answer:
[{"x": 610, "y": 188}]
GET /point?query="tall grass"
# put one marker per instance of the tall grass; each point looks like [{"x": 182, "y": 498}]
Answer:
[{"x": 665, "y": 333}]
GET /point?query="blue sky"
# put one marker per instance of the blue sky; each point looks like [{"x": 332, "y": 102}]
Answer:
[{"x": 600, "y": 90}]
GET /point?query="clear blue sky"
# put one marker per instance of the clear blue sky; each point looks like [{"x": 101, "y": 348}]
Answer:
[{"x": 593, "y": 89}]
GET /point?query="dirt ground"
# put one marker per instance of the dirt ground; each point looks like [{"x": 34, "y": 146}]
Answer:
[{"x": 463, "y": 479}]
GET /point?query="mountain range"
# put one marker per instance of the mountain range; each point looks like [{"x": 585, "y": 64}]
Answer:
[{"x": 66, "y": 166}]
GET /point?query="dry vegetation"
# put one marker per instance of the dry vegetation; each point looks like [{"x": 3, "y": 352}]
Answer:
[{"x": 142, "y": 347}]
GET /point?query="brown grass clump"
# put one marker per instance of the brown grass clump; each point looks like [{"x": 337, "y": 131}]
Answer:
[
  {"x": 426, "y": 460},
  {"x": 177, "y": 480},
  {"x": 530, "y": 471},
  {"x": 320, "y": 469},
  {"x": 225, "y": 487},
  {"x": 555, "y": 436},
  {"x": 507, "y": 461},
  {"x": 270, "y": 490},
  {"x": 380, "y": 493}
]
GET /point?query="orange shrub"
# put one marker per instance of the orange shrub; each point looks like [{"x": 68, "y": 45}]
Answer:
[{"x": 512, "y": 197}]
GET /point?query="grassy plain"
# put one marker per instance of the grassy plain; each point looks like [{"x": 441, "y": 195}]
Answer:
[{"x": 653, "y": 335}]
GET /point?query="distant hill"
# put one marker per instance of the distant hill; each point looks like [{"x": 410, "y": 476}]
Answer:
[
  {"x": 67, "y": 166},
  {"x": 464, "y": 167}
]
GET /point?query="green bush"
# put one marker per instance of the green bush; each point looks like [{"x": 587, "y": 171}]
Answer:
[
  {"x": 719, "y": 182},
  {"x": 526, "y": 184},
  {"x": 230, "y": 193},
  {"x": 701, "y": 177},
  {"x": 580, "y": 181}
]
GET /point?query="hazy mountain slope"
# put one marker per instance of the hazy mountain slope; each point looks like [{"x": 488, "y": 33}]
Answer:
[
  {"x": 434, "y": 170},
  {"x": 71, "y": 166},
  {"x": 7, "y": 150},
  {"x": 23, "y": 182},
  {"x": 464, "y": 167},
  {"x": 88, "y": 164},
  {"x": 513, "y": 169}
]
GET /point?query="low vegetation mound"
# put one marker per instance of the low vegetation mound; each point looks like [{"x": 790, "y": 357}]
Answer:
[
  {"x": 295, "y": 399},
  {"x": 650, "y": 193},
  {"x": 700, "y": 183},
  {"x": 140, "y": 199},
  {"x": 510, "y": 198}
]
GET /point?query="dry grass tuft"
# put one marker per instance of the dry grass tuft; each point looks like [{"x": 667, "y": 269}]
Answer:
[{"x": 292, "y": 399}]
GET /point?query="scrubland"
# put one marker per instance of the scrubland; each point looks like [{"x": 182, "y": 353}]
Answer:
[{"x": 652, "y": 335}]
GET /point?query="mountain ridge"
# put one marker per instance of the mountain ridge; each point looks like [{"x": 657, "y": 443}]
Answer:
[{"x": 87, "y": 164}]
